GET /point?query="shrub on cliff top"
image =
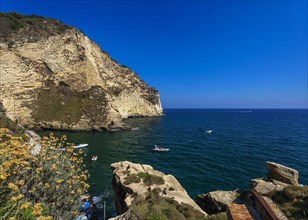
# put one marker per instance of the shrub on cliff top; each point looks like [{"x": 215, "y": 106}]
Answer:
[
  {"x": 155, "y": 206},
  {"x": 46, "y": 186},
  {"x": 147, "y": 179},
  {"x": 293, "y": 201}
]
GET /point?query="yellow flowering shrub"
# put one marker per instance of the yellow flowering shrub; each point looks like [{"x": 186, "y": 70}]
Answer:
[{"x": 46, "y": 186}]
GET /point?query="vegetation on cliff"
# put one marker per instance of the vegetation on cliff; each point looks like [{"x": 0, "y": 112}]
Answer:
[
  {"x": 5, "y": 122},
  {"x": 46, "y": 186},
  {"x": 31, "y": 28},
  {"x": 293, "y": 201},
  {"x": 146, "y": 178},
  {"x": 53, "y": 99},
  {"x": 155, "y": 206}
]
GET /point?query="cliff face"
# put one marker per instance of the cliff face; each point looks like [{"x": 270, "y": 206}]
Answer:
[{"x": 53, "y": 76}]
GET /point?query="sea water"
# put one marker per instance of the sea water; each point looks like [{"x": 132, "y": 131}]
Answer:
[{"x": 225, "y": 159}]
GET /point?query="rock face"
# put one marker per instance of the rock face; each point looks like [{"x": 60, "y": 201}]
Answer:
[
  {"x": 53, "y": 76},
  {"x": 264, "y": 187},
  {"x": 143, "y": 190},
  {"x": 216, "y": 201},
  {"x": 281, "y": 173}
]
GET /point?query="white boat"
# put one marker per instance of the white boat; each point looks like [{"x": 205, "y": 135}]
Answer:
[
  {"x": 209, "y": 131},
  {"x": 75, "y": 147},
  {"x": 135, "y": 129},
  {"x": 161, "y": 149},
  {"x": 80, "y": 146},
  {"x": 94, "y": 158}
]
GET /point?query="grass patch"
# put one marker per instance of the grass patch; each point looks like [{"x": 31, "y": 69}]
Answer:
[
  {"x": 149, "y": 179},
  {"x": 157, "y": 207},
  {"x": 220, "y": 216},
  {"x": 146, "y": 178},
  {"x": 133, "y": 178},
  {"x": 293, "y": 201},
  {"x": 65, "y": 105}
]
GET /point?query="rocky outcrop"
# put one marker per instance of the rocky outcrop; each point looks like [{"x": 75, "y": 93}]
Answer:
[
  {"x": 145, "y": 191},
  {"x": 264, "y": 187},
  {"x": 281, "y": 173},
  {"x": 216, "y": 201},
  {"x": 53, "y": 76}
]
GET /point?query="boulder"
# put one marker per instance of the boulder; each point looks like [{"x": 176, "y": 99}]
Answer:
[
  {"x": 264, "y": 187},
  {"x": 261, "y": 186},
  {"x": 216, "y": 201},
  {"x": 281, "y": 173},
  {"x": 142, "y": 189}
]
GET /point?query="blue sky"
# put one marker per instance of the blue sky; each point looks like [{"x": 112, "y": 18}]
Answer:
[{"x": 198, "y": 54}]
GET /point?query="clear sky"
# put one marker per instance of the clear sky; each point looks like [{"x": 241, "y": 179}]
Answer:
[{"x": 198, "y": 54}]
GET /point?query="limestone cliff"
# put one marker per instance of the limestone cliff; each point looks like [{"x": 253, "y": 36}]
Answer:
[{"x": 53, "y": 76}]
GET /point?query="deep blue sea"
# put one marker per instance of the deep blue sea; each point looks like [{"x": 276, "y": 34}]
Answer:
[{"x": 228, "y": 158}]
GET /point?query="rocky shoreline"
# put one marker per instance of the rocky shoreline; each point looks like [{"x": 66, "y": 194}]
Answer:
[{"x": 143, "y": 191}]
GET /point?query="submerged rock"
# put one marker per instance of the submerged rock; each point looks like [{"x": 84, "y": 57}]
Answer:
[{"x": 145, "y": 191}]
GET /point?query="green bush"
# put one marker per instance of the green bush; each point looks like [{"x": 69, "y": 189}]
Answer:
[
  {"x": 155, "y": 206},
  {"x": 220, "y": 216},
  {"x": 16, "y": 26},
  {"x": 133, "y": 178},
  {"x": 149, "y": 179},
  {"x": 146, "y": 178},
  {"x": 293, "y": 201}
]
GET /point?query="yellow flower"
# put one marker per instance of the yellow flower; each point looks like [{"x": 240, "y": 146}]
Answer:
[
  {"x": 20, "y": 196},
  {"x": 21, "y": 182},
  {"x": 16, "y": 198},
  {"x": 44, "y": 218},
  {"x": 12, "y": 186},
  {"x": 47, "y": 185},
  {"x": 25, "y": 205},
  {"x": 37, "y": 209},
  {"x": 12, "y": 218},
  {"x": 38, "y": 170},
  {"x": 59, "y": 181},
  {"x": 2, "y": 177}
]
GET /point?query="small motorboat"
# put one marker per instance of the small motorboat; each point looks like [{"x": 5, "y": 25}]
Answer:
[
  {"x": 94, "y": 158},
  {"x": 80, "y": 146},
  {"x": 159, "y": 148},
  {"x": 209, "y": 131},
  {"x": 135, "y": 129}
]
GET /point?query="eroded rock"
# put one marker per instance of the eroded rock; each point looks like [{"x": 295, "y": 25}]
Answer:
[
  {"x": 138, "y": 187},
  {"x": 281, "y": 173},
  {"x": 216, "y": 201}
]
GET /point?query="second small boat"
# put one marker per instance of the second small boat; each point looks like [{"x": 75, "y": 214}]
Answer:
[{"x": 160, "y": 149}]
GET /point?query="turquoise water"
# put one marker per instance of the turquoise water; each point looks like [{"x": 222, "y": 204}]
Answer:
[{"x": 234, "y": 153}]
